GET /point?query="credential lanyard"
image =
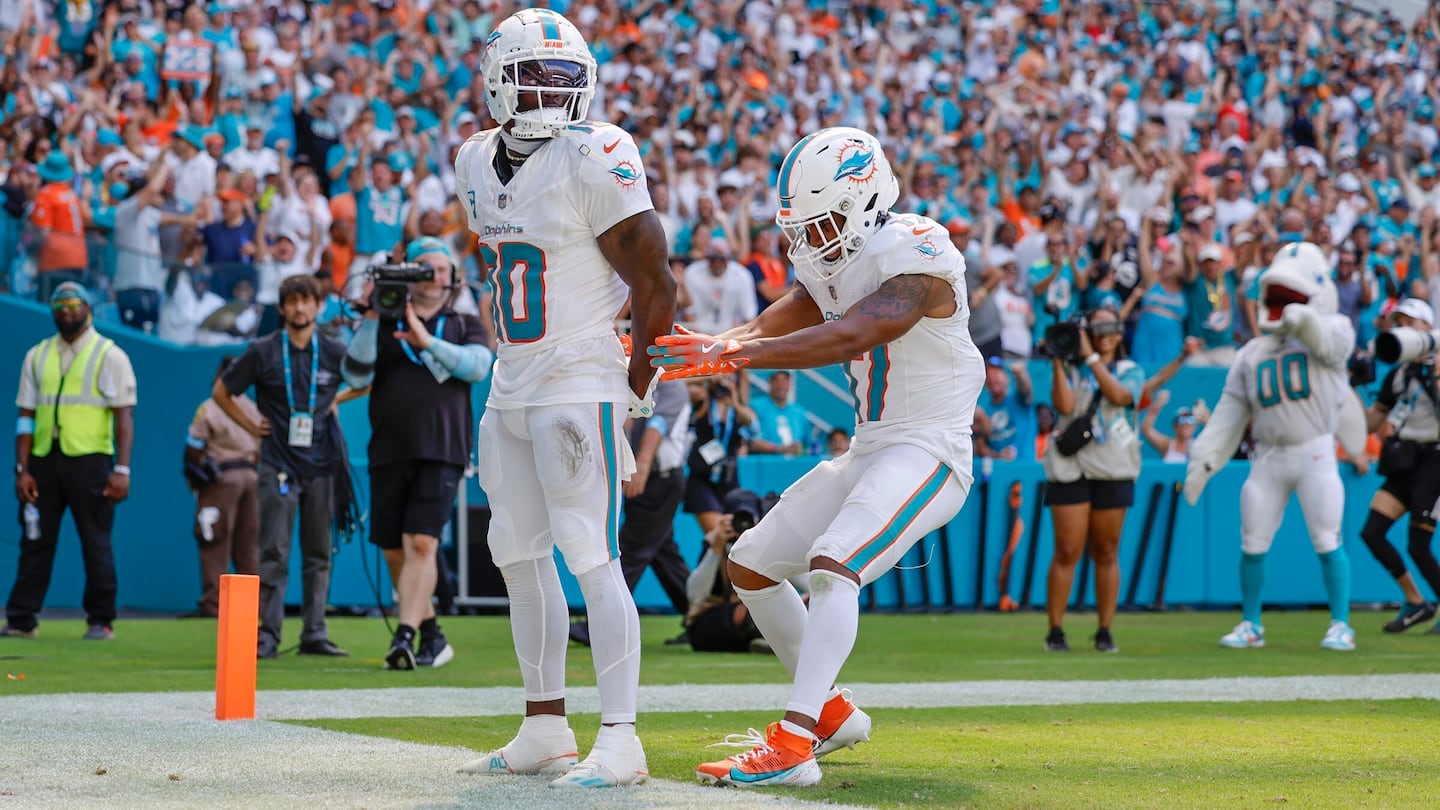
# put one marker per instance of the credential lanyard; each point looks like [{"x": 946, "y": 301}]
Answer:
[
  {"x": 290, "y": 380},
  {"x": 729, "y": 426},
  {"x": 410, "y": 352}
]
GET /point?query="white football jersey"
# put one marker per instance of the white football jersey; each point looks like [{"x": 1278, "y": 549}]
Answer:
[
  {"x": 921, "y": 388},
  {"x": 555, "y": 295},
  {"x": 1294, "y": 394}
]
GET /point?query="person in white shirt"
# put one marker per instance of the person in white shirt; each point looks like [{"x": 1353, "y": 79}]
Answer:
[
  {"x": 194, "y": 167},
  {"x": 722, "y": 291},
  {"x": 254, "y": 155},
  {"x": 1231, "y": 207}
]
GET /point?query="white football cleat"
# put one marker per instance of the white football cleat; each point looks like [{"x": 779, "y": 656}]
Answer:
[
  {"x": 1339, "y": 637},
  {"x": 542, "y": 746},
  {"x": 1246, "y": 634},
  {"x": 842, "y": 724},
  {"x": 617, "y": 759}
]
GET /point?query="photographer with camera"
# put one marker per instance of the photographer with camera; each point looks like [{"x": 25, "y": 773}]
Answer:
[
  {"x": 717, "y": 620},
  {"x": 221, "y": 459},
  {"x": 1406, "y": 418},
  {"x": 721, "y": 425},
  {"x": 1092, "y": 463},
  {"x": 419, "y": 359}
]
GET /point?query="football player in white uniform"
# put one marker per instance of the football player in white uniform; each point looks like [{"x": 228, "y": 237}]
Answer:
[
  {"x": 1291, "y": 385},
  {"x": 566, "y": 229},
  {"x": 884, "y": 294}
]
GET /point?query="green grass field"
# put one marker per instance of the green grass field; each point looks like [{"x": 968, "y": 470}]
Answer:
[
  {"x": 1339, "y": 753},
  {"x": 179, "y": 655}
]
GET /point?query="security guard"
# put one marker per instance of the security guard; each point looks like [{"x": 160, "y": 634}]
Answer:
[
  {"x": 1406, "y": 417},
  {"x": 73, "y": 442}
]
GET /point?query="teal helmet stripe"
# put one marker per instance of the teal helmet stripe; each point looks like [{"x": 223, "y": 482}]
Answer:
[
  {"x": 549, "y": 29},
  {"x": 785, "y": 193}
]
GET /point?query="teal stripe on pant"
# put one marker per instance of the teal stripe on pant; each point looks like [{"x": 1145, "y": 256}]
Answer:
[{"x": 612, "y": 480}]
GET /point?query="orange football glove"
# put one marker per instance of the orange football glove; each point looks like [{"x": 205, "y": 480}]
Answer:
[{"x": 694, "y": 355}]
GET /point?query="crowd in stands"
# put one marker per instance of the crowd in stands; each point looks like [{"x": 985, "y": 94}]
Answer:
[{"x": 183, "y": 158}]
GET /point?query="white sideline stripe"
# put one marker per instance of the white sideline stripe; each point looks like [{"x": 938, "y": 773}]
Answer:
[
  {"x": 322, "y": 704},
  {"x": 142, "y": 739}
]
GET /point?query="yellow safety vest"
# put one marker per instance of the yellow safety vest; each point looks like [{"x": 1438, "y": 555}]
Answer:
[{"x": 71, "y": 403}]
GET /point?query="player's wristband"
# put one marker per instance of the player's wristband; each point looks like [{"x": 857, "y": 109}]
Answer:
[
  {"x": 1092, "y": 359},
  {"x": 121, "y": 469}
]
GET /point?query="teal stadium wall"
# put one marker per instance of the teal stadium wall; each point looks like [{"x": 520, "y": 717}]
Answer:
[{"x": 158, "y": 568}]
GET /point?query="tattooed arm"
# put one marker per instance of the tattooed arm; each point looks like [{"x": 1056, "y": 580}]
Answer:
[{"x": 880, "y": 317}]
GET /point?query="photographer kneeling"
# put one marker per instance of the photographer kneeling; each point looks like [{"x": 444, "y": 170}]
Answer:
[
  {"x": 718, "y": 621},
  {"x": 1406, "y": 418},
  {"x": 419, "y": 358},
  {"x": 1091, "y": 464}
]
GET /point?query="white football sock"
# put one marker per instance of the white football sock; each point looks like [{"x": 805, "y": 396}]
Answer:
[
  {"x": 779, "y": 612},
  {"x": 540, "y": 624},
  {"x": 614, "y": 641},
  {"x": 829, "y": 637}
]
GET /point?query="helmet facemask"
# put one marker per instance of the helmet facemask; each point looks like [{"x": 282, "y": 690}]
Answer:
[{"x": 544, "y": 95}]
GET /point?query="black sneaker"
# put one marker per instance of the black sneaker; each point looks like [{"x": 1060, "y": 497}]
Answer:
[
  {"x": 1055, "y": 641},
  {"x": 267, "y": 647},
  {"x": 683, "y": 638},
  {"x": 1409, "y": 616},
  {"x": 1104, "y": 642},
  {"x": 434, "y": 651},
  {"x": 401, "y": 656},
  {"x": 580, "y": 632},
  {"x": 323, "y": 646}
]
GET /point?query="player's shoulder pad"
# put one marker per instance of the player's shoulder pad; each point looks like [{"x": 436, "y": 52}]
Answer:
[
  {"x": 605, "y": 152},
  {"x": 910, "y": 243}
]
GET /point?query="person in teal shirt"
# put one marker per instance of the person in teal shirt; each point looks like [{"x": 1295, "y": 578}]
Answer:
[
  {"x": 1055, "y": 286},
  {"x": 1210, "y": 318},
  {"x": 783, "y": 427}
]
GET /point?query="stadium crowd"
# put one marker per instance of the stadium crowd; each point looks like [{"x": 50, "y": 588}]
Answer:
[{"x": 183, "y": 158}]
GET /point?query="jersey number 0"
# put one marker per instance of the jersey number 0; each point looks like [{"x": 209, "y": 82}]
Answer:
[
  {"x": 1287, "y": 377},
  {"x": 517, "y": 273}
]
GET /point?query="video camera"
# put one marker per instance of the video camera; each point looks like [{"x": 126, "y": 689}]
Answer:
[
  {"x": 392, "y": 287},
  {"x": 1063, "y": 339},
  {"x": 1403, "y": 344}
]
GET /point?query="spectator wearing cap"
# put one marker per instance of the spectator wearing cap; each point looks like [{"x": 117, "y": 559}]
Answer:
[
  {"x": 722, "y": 291},
  {"x": 771, "y": 271},
  {"x": 1010, "y": 411},
  {"x": 381, "y": 208},
  {"x": 229, "y": 244},
  {"x": 1172, "y": 449},
  {"x": 1056, "y": 284},
  {"x": 194, "y": 168},
  {"x": 1013, "y": 304},
  {"x": 82, "y": 380},
  {"x": 139, "y": 270},
  {"x": 58, "y": 216},
  {"x": 1210, "y": 298},
  {"x": 1424, "y": 191},
  {"x": 254, "y": 156}
]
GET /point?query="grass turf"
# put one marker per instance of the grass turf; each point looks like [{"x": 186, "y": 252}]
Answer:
[
  {"x": 1308, "y": 753},
  {"x": 179, "y": 655}
]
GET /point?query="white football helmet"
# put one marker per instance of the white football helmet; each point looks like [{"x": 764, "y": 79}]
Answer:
[
  {"x": 835, "y": 185},
  {"x": 536, "y": 50},
  {"x": 1299, "y": 274}
]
